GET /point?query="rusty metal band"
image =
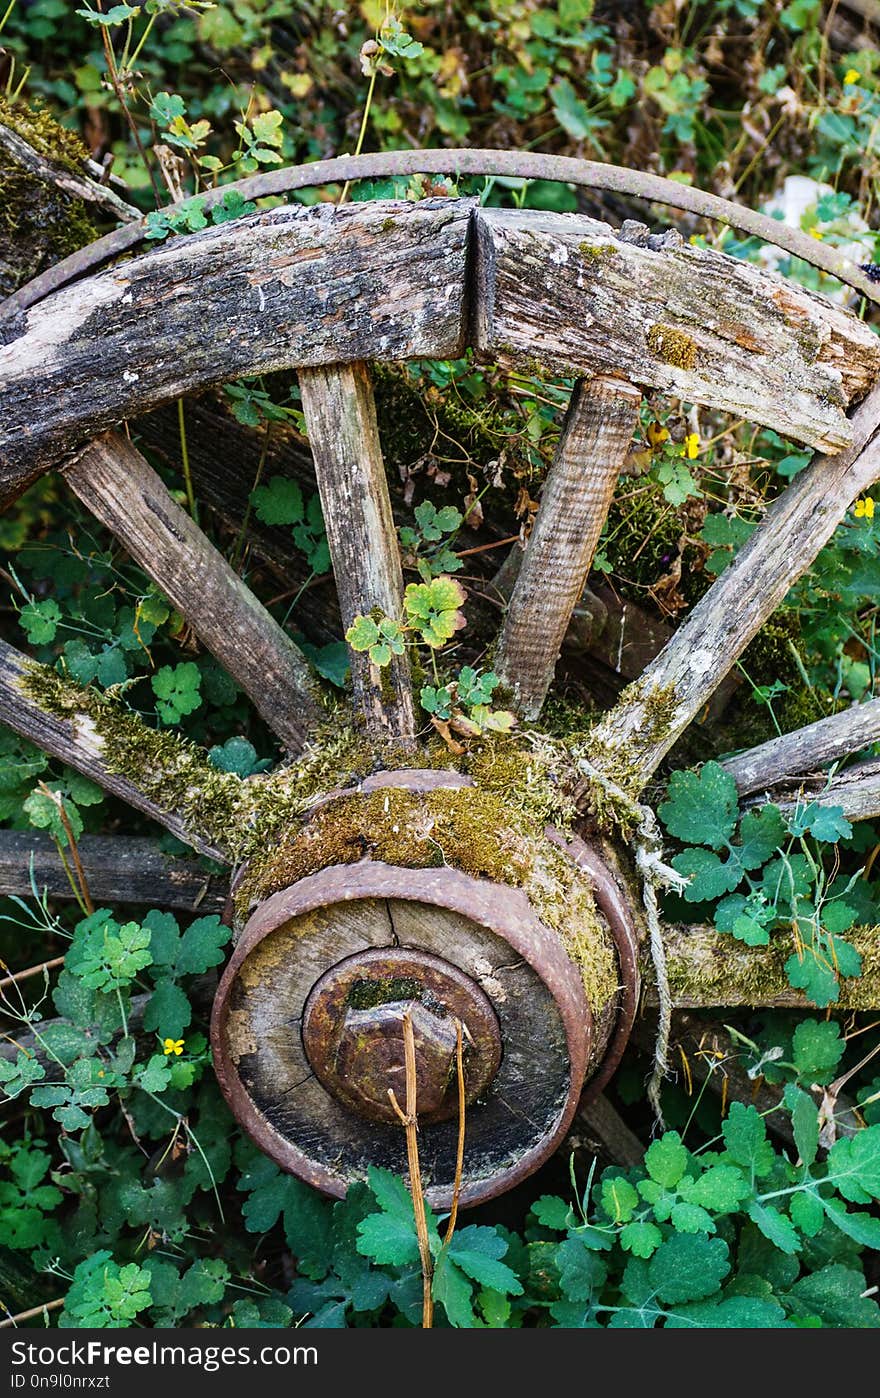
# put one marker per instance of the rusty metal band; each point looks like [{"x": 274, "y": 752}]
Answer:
[
  {"x": 502, "y": 910},
  {"x": 612, "y": 903},
  {"x": 521, "y": 165}
]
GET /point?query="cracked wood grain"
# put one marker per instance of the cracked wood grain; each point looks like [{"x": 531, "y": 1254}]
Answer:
[
  {"x": 340, "y": 414},
  {"x": 579, "y": 297},
  {"x": 813, "y": 746},
  {"x": 278, "y": 290},
  {"x": 595, "y": 437}
]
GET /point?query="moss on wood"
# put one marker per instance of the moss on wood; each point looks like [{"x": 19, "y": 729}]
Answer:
[{"x": 673, "y": 346}]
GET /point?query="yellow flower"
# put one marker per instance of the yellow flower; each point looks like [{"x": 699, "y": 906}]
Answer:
[
  {"x": 816, "y": 233},
  {"x": 657, "y": 434},
  {"x": 691, "y": 446},
  {"x": 174, "y": 1046},
  {"x": 865, "y": 508},
  {"x": 852, "y": 75}
]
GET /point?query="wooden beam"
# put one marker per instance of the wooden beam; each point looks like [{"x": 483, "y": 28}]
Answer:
[
  {"x": 118, "y": 869},
  {"x": 582, "y": 298},
  {"x": 634, "y": 737},
  {"x": 14, "y": 150},
  {"x": 340, "y": 414},
  {"x": 577, "y": 493},
  {"x": 855, "y": 790},
  {"x": 73, "y": 736},
  {"x": 709, "y": 969},
  {"x": 113, "y": 480},
  {"x": 807, "y": 748},
  {"x": 279, "y": 290}
]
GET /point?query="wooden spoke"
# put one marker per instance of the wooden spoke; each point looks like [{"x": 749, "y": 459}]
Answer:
[
  {"x": 635, "y": 736},
  {"x": 582, "y": 298},
  {"x": 75, "y": 739},
  {"x": 341, "y": 419},
  {"x": 577, "y": 493},
  {"x": 708, "y": 969},
  {"x": 115, "y": 482},
  {"x": 285, "y": 288},
  {"x": 807, "y": 748},
  {"x": 856, "y": 791},
  {"x": 117, "y": 868}
]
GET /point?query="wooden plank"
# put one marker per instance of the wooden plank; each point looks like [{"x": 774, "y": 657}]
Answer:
[
  {"x": 856, "y": 791},
  {"x": 653, "y": 712},
  {"x": 277, "y": 290},
  {"x": 75, "y": 739},
  {"x": 709, "y": 969},
  {"x": 114, "y": 481},
  {"x": 816, "y": 745},
  {"x": 118, "y": 869},
  {"x": 340, "y": 416},
  {"x": 578, "y": 490},
  {"x": 582, "y": 298}
]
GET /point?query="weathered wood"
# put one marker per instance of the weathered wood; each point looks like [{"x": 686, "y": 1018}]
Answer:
[
  {"x": 114, "y": 481},
  {"x": 340, "y": 414},
  {"x": 277, "y": 290},
  {"x": 634, "y": 737},
  {"x": 581, "y": 298},
  {"x": 118, "y": 869},
  {"x": 14, "y": 150},
  {"x": 76, "y": 741},
  {"x": 574, "y": 503},
  {"x": 856, "y": 791},
  {"x": 606, "y": 1128},
  {"x": 807, "y": 748},
  {"x": 709, "y": 969}
]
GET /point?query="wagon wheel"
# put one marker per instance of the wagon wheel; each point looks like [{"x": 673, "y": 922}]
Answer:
[{"x": 378, "y": 899}]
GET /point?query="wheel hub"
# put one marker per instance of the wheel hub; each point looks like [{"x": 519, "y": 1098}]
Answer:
[{"x": 353, "y": 1033}]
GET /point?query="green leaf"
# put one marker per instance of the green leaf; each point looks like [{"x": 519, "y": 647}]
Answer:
[
  {"x": 168, "y": 1010},
  {"x": 761, "y": 833},
  {"x": 708, "y": 877},
  {"x": 454, "y": 1292},
  {"x": 834, "y": 1295},
  {"x": 691, "y": 1218},
  {"x": 807, "y": 1213},
  {"x": 280, "y": 501},
  {"x": 201, "y": 946},
  {"x": 477, "y": 1251},
  {"x": 804, "y": 1121},
  {"x": 854, "y": 1166},
  {"x": 553, "y": 1212},
  {"x": 776, "y": 1227},
  {"x": 39, "y": 621},
  {"x": 388, "y": 1240},
  {"x": 702, "y": 807},
  {"x": 619, "y": 1199},
  {"x": 864, "y": 1229},
  {"x": 720, "y": 1188},
  {"x": 362, "y": 634},
  {"x": 825, "y": 823},
  {"x": 731, "y": 1313},
  {"x": 688, "y": 1267},
  {"x": 641, "y": 1238},
  {"x": 817, "y": 1048},
  {"x": 666, "y": 1159},
  {"x": 745, "y": 1137},
  {"x": 177, "y": 690}
]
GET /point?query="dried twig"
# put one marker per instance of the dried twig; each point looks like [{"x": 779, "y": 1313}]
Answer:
[
  {"x": 32, "y": 1313},
  {"x": 459, "y": 1156},
  {"x": 409, "y": 1120},
  {"x": 31, "y": 971}
]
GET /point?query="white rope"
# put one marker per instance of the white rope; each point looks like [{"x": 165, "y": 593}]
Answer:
[{"x": 654, "y": 874}]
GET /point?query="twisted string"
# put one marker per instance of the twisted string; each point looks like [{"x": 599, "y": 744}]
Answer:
[{"x": 654, "y": 874}]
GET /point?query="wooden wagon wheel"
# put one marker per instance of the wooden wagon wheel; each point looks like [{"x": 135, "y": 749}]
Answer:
[{"x": 417, "y": 890}]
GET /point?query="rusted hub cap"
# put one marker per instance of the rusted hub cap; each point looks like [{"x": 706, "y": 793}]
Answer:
[{"x": 353, "y": 1032}]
